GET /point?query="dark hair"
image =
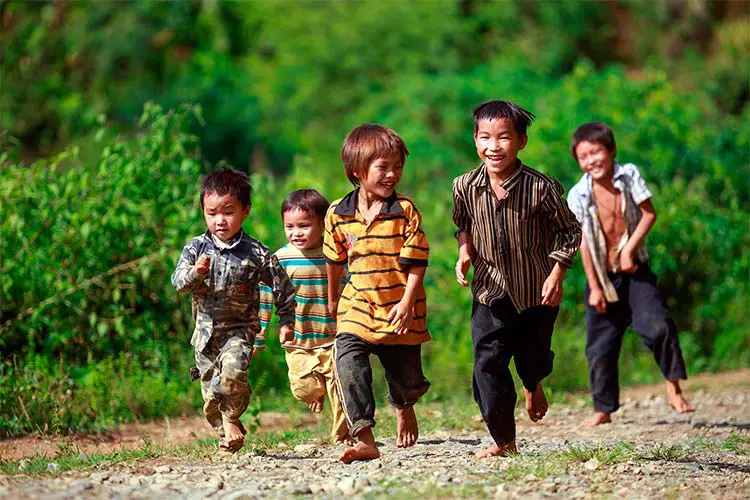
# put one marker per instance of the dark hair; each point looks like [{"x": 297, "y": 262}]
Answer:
[
  {"x": 227, "y": 181},
  {"x": 367, "y": 143},
  {"x": 307, "y": 200},
  {"x": 492, "y": 110},
  {"x": 593, "y": 132}
]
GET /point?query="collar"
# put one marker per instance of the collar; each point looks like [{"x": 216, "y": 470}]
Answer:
[
  {"x": 222, "y": 245},
  {"x": 483, "y": 179},
  {"x": 348, "y": 205}
]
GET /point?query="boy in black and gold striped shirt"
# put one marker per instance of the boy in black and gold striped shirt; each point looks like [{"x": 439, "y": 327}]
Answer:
[
  {"x": 382, "y": 309},
  {"x": 517, "y": 231}
]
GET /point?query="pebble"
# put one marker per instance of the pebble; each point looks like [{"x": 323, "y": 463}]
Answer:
[
  {"x": 304, "y": 448},
  {"x": 163, "y": 469},
  {"x": 53, "y": 467},
  {"x": 592, "y": 464}
]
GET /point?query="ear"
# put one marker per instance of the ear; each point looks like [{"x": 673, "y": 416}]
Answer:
[
  {"x": 524, "y": 140},
  {"x": 246, "y": 211}
]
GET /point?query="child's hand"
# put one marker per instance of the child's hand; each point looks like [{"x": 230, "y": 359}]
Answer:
[
  {"x": 202, "y": 265},
  {"x": 552, "y": 287},
  {"x": 596, "y": 300},
  {"x": 286, "y": 334},
  {"x": 401, "y": 316},
  {"x": 462, "y": 268},
  {"x": 626, "y": 261}
]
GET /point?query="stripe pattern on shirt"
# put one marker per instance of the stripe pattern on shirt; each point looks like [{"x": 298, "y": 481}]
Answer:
[
  {"x": 379, "y": 255},
  {"x": 518, "y": 239},
  {"x": 313, "y": 325}
]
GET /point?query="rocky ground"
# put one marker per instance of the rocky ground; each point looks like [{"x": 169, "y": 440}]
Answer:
[{"x": 649, "y": 451}]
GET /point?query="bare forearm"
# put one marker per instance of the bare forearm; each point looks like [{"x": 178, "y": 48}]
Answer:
[
  {"x": 588, "y": 266},
  {"x": 413, "y": 280},
  {"x": 334, "y": 273},
  {"x": 648, "y": 218}
]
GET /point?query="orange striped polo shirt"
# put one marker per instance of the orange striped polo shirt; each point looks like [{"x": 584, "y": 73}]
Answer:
[{"x": 379, "y": 255}]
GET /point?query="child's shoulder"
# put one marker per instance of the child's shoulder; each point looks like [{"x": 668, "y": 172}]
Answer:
[
  {"x": 464, "y": 179},
  {"x": 629, "y": 170},
  {"x": 546, "y": 181},
  {"x": 406, "y": 203},
  {"x": 252, "y": 246}
]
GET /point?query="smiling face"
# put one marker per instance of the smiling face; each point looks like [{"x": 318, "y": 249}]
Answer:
[
  {"x": 498, "y": 144},
  {"x": 382, "y": 177},
  {"x": 595, "y": 159},
  {"x": 224, "y": 215},
  {"x": 303, "y": 230}
]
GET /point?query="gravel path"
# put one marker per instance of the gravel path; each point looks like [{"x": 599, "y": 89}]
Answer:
[{"x": 649, "y": 451}]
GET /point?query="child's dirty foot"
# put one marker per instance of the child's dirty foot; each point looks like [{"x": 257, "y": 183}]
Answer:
[
  {"x": 407, "y": 428},
  {"x": 598, "y": 418},
  {"x": 498, "y": 451},
  {"x": 536, "y": 403},
  {"x": 317, "y": 405},
  {"x": 675, "y": 398},
  {"x": 346, "y": 441},
  {"x": 365, "y": 449},
  {"x": 234, "y": 437}
]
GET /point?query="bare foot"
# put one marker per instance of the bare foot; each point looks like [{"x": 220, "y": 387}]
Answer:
[
  {"x": 536, "y": 403},
  {"x": 317, "y": 405},
  {"x": 498, "y": 451},
  {"x": 233, "y": 436},
  {"x": 675, "y": 398},
  {"x": 598, "y": 418},
  {"x": 407, "y": 428},
  {"x": 365, "y": 449},
  {"x": 347, "y": 441}
]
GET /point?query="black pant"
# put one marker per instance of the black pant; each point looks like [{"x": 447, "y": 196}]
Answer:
[
  {"x": 498, "y": 333},
  {"x": 641, "y": 305},
  {"x": 403, "y": 373}
]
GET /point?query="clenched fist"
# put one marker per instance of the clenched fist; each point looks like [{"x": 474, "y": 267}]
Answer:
[{"x": 202, "y": 265}]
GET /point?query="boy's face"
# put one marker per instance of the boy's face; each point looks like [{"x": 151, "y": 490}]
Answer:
[
  {"x": 498, "y": 144},
  {"x": 303, "y": 230},
  {"x": 595, "y": 159},
  {"x": 382, "y": 177},
  {"x": 224, "y": 215}
]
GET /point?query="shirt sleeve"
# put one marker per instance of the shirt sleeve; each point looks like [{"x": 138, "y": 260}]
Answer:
[
  {"x": 333, "y": 241},
  {"x": 185, "y": 279},
  {"x": 264, "y": 314},
  {"x": 575, "y": 203},
  {"x": 415, "y": 250},
  {"x": 638, "y": 189},
  {"x": 274, "y": 277},
  {"x": 566, "y": 224},
  {"x": 460, "y": 211}
]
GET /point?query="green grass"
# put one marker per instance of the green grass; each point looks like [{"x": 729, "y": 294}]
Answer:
[
  {"x": 603, "y": 454},
  {"x": 662, "y": 451}
]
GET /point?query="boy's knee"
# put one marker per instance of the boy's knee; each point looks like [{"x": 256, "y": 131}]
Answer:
[{"x": 307, "y": 389}]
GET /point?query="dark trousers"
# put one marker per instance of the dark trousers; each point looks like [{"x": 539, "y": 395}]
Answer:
[
  {"x": 641, "y": 305},
  {"x": 499, "y": 333},
  {"x": 403, "y": 373}
]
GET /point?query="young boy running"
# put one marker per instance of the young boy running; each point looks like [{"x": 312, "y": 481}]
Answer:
[
  {"x": 222, "y": 269},
  {"x": 518, "y": 233},
  {"x": 309, "y": 349},
  {"x": 383, "y": 309},
  {"x": 614, "y": 207}
]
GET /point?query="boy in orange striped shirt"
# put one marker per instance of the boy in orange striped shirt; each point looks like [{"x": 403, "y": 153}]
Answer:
[
  {"x": 382, "y": 309},
  {"x": 309, "y": 349}
]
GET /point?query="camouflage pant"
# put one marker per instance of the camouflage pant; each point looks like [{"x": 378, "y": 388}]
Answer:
[{"x": 224, "y": 385}]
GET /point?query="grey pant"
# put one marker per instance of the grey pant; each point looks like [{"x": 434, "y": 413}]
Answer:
[{"x": 403, "y": 373}]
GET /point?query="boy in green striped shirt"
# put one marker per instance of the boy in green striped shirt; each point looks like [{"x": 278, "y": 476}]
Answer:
[{"x": 309, "y": 349}]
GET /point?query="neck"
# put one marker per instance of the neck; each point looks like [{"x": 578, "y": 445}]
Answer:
[
  {"x": 605, "y": 183},
  {"x": 368, "y": 199},
  {"x": 502, "y": 176}
]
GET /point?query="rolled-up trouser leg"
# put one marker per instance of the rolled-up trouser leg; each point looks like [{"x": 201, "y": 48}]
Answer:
[
  {"x": 354, "y": 375},
  {"x": 403, "y": 372}
]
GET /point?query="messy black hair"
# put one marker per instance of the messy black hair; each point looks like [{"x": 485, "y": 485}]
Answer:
[
  {"x": 593, "y": 132},
  {"x": 227, "y": 181},
  {"x": 493, "y": 110},
  {"x": 307, "y": 200}
]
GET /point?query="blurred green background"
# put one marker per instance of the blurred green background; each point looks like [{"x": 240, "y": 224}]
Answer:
[{"x": 111, "y": 111}]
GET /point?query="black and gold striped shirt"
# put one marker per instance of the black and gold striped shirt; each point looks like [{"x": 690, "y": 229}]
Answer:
[
  {"x": 379, "y": 255},
  {"x": 516, "y": 240}
]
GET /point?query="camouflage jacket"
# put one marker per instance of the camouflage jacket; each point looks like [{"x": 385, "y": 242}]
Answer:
[{"x": 226, "y": 300}]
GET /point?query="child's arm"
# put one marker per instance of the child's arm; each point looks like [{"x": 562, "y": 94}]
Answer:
[
  {"x": 596, "y": 296},
  {"x": 264, "y": 314},
  {"x": 462, "y": 220},
  {"x": 464, "y": 258},
  {"x": 334, "y": 272},
  {"x": 402, "y": 313},
  {"x": 568, "y": 231},
  {"x": 274, "y": 276},
  {"x": 190, "y": 270},
  {"x": 648, "y": 218}
]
